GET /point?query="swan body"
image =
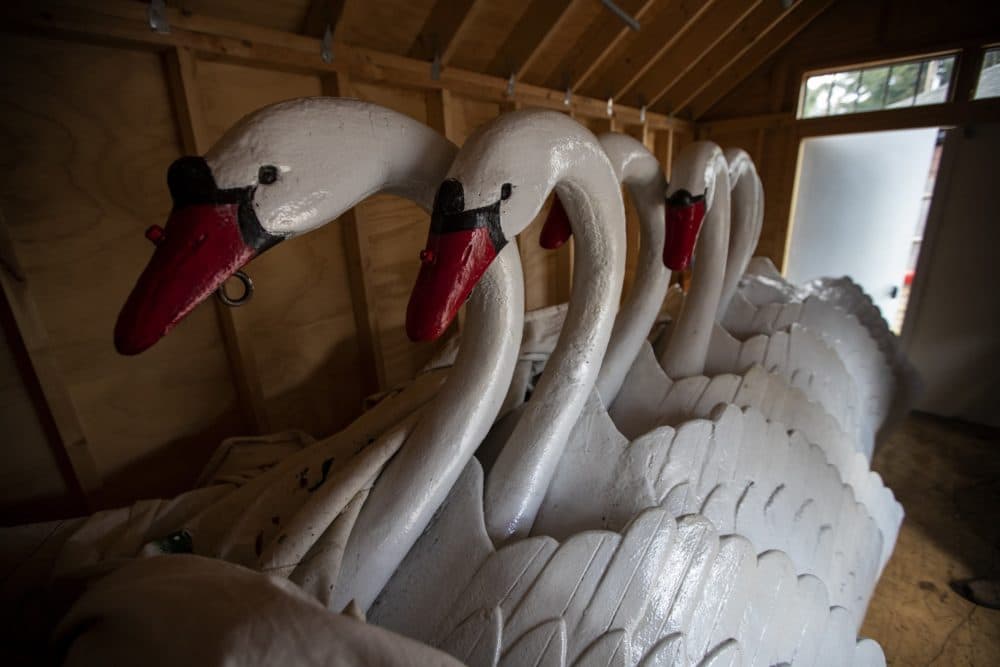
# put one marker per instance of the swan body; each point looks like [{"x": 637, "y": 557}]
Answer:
[
  {"x": 655, "y": 588},
  {"x": 763, "y": 287}
]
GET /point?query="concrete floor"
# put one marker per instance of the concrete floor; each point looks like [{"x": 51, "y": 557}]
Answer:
[{"x": 947, "y": 476}]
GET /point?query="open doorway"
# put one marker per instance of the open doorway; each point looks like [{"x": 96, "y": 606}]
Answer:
[{"x": 860, "y": 209}]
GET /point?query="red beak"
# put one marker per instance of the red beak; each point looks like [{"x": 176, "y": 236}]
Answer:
[
  {"x": 556, "y": 230},
  {"x": 684, "y": 215},
  {"x": 210, "y": 234},
  {"x": 460, "y": 247}
]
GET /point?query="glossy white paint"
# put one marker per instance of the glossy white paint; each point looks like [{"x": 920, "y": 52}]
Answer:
[
  {"x": 660, "y": 592},
  {"x": 640, "y": 172},
  {"x": 536, "y": 152},
  {"x": 700, "y": 169}
]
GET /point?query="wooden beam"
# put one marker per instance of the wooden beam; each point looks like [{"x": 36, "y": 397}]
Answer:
[
  {"x": 23, "y": 310},
  {"x": 802, "y": 14},
  {"x": 701, "y": 37},
  {"x": 180, "y": 66},
  {"x": 442, "y": 29},
  {"x": 602, "y": 39},
  {"x": 632, "y": 58},
  {"x": 678, "y": 89},
  {"x": 357, "y": 247},
  {"x": 124, "y": 23},
  {"x": 538, "y": 25},
  {"x": 322, "y": 13}
]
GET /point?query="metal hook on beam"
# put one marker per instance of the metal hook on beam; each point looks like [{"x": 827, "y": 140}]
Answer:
[
  {"x": 157, "y": 14},
  {"x": 326, "y": 47},
  {"x": 436, "y": 67}
]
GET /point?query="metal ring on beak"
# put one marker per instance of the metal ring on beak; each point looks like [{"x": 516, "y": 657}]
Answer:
[{"x": 243, "y": 298}]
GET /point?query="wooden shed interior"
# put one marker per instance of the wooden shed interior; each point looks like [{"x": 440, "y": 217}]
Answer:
[{"x": 96, "y": 104}]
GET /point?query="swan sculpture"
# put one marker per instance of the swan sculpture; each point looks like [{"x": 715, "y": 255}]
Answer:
[
  {"x": 658, "y": 590},
  {"x": 603, "y": 480},
  {"x": 764, "y": 288},
  {"x": 270, "y": 178}
]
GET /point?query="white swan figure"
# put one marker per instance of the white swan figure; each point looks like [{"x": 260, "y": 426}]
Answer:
[
  {"x": 603, "y": 480},
  {"x": 764, "y": 288},
  {"x": 283, "y": 171},
  {"x": 660, "y": 590}
]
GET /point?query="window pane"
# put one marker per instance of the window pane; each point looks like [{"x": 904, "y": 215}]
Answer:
[
  {"x": 989, "y": 75},
  {"x": 905, "y": 84}
]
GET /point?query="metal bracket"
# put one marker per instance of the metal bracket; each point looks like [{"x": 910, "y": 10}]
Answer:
[
  {"x": 436, "y": 67},
  {"x": 511, "y": 80},
  {"x": 611, "y": 107},
  {"x": 642, "y": 114},
  {"x": 326, "y": 47},
  {"x": 157, "y": 14},
  {"x": 626, "y": 18},
  {"x": 567, "y": 97}
]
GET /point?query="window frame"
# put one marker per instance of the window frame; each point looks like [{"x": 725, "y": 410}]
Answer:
[{"x": 881, "y": 62}]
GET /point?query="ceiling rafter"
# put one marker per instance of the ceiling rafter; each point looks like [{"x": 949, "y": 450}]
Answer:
[
  {"x": 320, "y": 14},
  {"x": 701, "y": 37},
  {"x": 802, "y": 14},
  {"x": 538, "y": 25},
  {"x": 665, "y": 26},
  {"x": 598, "y": 42},
  {"x": 441, "y": 32},
  {"x": 683, "y": 87}
]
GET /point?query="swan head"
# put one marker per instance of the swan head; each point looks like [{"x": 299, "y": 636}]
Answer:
[
  {"x": 282, "y": 171},
  {"x": 496, "y": 186},
  {"x": 689, "y": 198}
]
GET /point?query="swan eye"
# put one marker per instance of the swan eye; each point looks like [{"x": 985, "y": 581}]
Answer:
[
  {"x": 267, "y": 174},
  {"x": 505, "y": 191}
]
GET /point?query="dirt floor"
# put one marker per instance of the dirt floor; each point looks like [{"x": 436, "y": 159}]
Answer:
[{"x": 947, "y": 476}]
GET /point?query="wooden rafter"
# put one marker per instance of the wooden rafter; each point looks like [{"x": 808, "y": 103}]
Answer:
[
  {"x": 681, "y": 88},
  {"x": 802, "y": 14},
  {"x": 320, "y": 14},
  {"x": 598, "y": 42},
  {"x": 705, "y": 33},
  {"x": 665, "y": 25},
  {"x": 534, "y": 30},
  {"x": 442, "y": 30},
  {"x": 125, "y": 23}
]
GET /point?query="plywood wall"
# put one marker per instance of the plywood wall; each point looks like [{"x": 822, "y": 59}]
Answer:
[{"x": 86, "y": 155}]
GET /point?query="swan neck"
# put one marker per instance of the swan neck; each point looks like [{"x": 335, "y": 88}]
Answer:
[
  {"x": 644, "y": 180},
  {"x": 417, "y": 481},
  {"x": 685, "y": 353},
  {"x": 521, "y": 475},
  {"x": 747, "y": 219}
]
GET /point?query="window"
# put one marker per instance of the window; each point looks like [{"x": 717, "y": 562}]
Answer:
[
  {"x": 901, "y": 84},
  {"x": 989, "y": 75}
]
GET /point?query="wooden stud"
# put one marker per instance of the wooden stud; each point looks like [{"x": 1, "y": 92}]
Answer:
[
  {"x": 660, "y": 33},
  {"x": 180, "y": 67},
  {"x": 57, "y": 398},
  {"x": 802, "y": 14},
  {"x": 125, "y": 23},
  {"x": 677, "y": 90},
  {"x": 442, "y": 30},
  {"x": 322, "y": 13},
  {"x": 538, "y": 25}
]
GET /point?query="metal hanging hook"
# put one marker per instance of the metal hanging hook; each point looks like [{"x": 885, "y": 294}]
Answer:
[
  {"x": 157, "y": 16},
  {"x": 243, "y": 298}
]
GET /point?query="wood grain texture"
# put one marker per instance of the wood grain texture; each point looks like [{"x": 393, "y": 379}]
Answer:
[
  {"x": 86, "y": 153},
  {"x": 631, "y": 53}
]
